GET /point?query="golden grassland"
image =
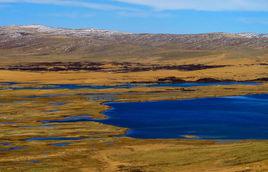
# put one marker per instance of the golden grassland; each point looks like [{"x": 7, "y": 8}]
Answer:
[
  {"x": 242, "y": 64},
  {"x": 102, "y": 147},
  {"x": 239, "y": 73}
]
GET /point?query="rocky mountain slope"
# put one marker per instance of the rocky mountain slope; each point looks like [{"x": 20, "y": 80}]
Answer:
[{"x": 41, "y": 43}]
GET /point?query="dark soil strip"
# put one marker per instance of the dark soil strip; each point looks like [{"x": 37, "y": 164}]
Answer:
[{"x": 91, "y": 66}]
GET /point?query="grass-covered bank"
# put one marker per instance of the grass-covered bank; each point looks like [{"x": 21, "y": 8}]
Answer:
[{"x": 102, "y": 147}]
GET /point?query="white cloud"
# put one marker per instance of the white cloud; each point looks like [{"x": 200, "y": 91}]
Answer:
[
  {"x": 72, "y": 3},
  {"x": 144, "y": 14},
  {"x": 203, "y": 5}
]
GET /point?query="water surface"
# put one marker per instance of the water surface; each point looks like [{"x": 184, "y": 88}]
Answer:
[
  {"x": 234, "y": 117},
  {"x": 127, "y": 85}
]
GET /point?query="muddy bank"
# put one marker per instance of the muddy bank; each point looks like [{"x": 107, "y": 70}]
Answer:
[
  {"x": 261, "y": 80},
  {"x": 173, "y": 79},
  {"x": 105, "y": 67}
]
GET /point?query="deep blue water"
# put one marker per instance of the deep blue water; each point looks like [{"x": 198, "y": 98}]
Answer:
[
  {"x": 127, "y": 85},
  {"x": 236, "y": 117}
]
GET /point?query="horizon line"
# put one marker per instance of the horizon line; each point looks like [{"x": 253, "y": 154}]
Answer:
[{"x": 152, "y": 33}]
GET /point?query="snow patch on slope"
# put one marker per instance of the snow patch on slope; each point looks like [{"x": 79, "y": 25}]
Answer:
[{"x": 74, "y": 32}]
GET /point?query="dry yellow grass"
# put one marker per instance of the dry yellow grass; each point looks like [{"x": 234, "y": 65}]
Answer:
[
  {"x": 105, "y": 78},
  {"x": 22, "y": 111},
  {"x": 101, "y": 151}
]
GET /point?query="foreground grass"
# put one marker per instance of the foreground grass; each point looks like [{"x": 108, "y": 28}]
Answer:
[{"x": 102, "y": 147}]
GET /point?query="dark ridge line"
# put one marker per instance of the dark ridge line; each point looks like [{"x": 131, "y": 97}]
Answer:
[
  {"x": 92, "y": 66},
  {"x": 173, "y": 79}
]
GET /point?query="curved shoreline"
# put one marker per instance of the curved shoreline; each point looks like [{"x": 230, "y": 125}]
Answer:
[{"x": 193, "y": 137}]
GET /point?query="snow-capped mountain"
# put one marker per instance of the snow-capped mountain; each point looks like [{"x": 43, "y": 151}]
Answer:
[{"x": 252, "y": 35}]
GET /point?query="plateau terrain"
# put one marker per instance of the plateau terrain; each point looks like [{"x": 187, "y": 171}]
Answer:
[{"x": 65, "y": 95}]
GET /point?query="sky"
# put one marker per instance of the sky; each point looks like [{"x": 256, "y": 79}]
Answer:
[{"x": 141, "y": 16}]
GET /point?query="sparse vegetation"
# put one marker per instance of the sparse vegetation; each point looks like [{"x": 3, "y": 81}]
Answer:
[{"x": 103, "y": 58}]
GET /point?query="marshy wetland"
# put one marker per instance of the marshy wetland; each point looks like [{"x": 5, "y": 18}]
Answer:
[
  {"x": 59, "y": 123},
  {"x": 86, "y": 100}
]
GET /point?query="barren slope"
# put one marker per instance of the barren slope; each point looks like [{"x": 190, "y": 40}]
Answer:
[{"x": 43, "y": 44}]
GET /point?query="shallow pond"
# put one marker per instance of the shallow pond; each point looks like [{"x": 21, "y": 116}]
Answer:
[
  {"x": 127, "y": 85},
  {"x": 234, "y": 117}
]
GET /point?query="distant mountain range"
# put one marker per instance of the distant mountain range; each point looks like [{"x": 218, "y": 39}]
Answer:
[
  {"x": 17, "y": 31},
  {"x": 41, "y": 42}
]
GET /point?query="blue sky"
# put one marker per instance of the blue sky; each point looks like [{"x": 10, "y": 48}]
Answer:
[{"x": 150, "y": 16}]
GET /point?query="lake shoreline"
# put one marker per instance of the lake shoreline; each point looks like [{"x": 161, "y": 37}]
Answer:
[{"x": 112, "y": 105}]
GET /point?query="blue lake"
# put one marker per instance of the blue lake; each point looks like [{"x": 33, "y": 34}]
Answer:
[
  {"x": 230, "y": 118},
  {"x": 127, "y": 85}
]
